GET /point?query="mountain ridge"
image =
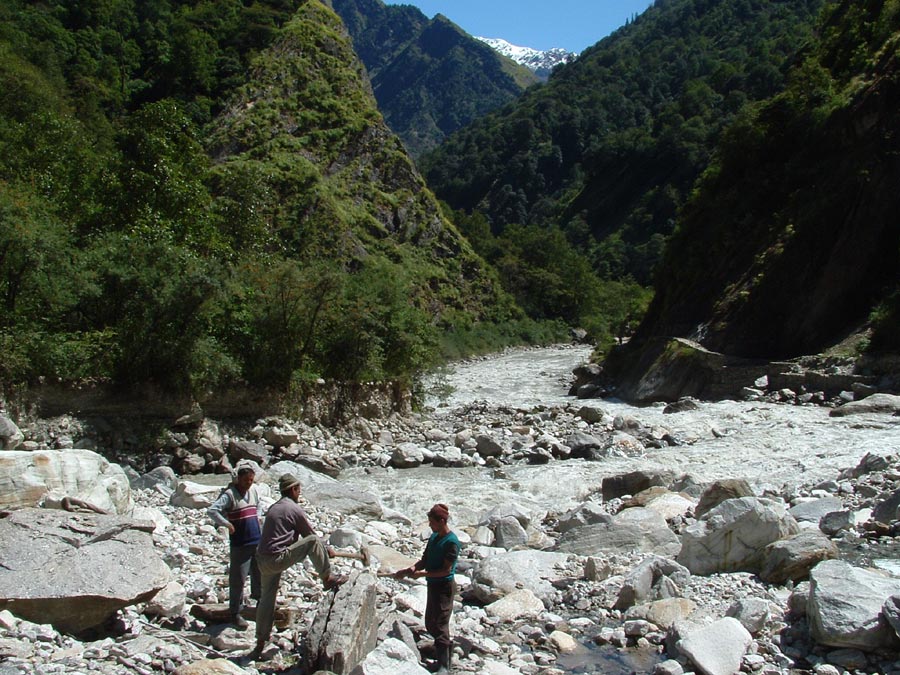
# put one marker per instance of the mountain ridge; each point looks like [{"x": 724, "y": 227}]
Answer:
[
  {"x": 542, "y": 62},
  {"x": 248, "y": 220},
  {"x": 429, "y": 76}
]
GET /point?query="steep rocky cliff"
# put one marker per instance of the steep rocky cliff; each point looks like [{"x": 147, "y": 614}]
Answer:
[{"x": 791, "y": 240}]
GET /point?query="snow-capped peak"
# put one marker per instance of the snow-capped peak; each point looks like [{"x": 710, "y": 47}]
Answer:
[{"x": 542, "y": 62}]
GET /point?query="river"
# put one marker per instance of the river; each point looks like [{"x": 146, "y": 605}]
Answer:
[{"x": 768, "y": 444}]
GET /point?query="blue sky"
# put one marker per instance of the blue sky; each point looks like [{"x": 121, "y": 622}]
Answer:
[{"x": 541, "y": 24}]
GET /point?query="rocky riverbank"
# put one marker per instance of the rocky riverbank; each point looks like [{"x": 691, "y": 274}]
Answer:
[{"x": 598, "y": 537}]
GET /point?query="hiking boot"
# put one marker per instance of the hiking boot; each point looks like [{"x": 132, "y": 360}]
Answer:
[
  {"x": 239, "y": 622},
  {"x": 334, "y": 581}
]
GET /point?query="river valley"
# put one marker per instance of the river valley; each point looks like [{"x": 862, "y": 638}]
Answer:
[{"x": 498, "y": 441}]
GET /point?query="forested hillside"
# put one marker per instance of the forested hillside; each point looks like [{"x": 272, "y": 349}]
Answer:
[
  {"x": 429, "y": 76},
  {"x": 609, "y": 149},
  {"x": 198, "y": 193},
  {"x": 792, "y": 239}
]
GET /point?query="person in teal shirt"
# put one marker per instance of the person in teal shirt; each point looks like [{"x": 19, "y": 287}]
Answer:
[{"x": 438, "y": 566}]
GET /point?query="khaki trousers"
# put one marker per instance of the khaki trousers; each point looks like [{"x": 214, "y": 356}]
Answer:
[{"x": 270, "y": 569}]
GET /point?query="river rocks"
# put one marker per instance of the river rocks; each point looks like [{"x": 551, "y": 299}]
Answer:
[
  {"x": 792, "y": 558},
  {"x": 210, "y": 667},
  {"x": 732, "y": 536},
  {"x": 76, "y": 570},
  {"x": 813, "y": 510},
  {"x": 520, "y": 603},
  {"x": 681, "y": 405},
  {"x": 719, "y": 491},
  {"x": 281, "y": 435},
  {"x": 345, "y": 499},
  {"x": 242, "y": 449},
  {"x": 11, "y": 437},
  {"x": 191, "y": 495},
  {"x": 27, "y": 477},
  {"x": 407, "y": 455},
  {"x": 620, "y": 444},
  {"x": 832, "y": 524},
  {"x": 583, "y": 445},
  {"x": 509, "y": 533},
  {"x": 168, "y": 603},
  {"x": 488, "y": 447},
  {"x": 845, "y": 607},
  {"x": 670, "y": 505},
  {"x": 587, "y": 513},
  {"x": 631, "y": 483},
  {"x": 501, "y": 574},
  {"x": 871, "y": 462},
  {"x": 636, "y": 529},
  {"x": 391, "y": 657},
  {"x": 753, "y": 613},
  {"x": 717, "y": 649},
  {"x": 655, "y": 578},
  {"x": 888, "y": 404},
  {"x": 345, "y": 627},
  {"x": 577, "y": 594},
  {"x": 887, "y": 510}
]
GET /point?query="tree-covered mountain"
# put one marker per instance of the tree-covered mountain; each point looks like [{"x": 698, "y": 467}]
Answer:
[
  {"x": 430, "y": 77},
  {"x": 609, "y": 149},
  {"x": 791, "y": 240},
  {"x": 196, "y": 193}
]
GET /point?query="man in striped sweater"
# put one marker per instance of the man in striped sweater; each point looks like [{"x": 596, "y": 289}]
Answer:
[{"x": 238, "y": 509}]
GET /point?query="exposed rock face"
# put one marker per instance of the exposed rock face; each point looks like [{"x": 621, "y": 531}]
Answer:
[
  {"x": 668, "y": 370},
  {"x": 26, "y": 477},
  {"x": 74, "y": 571},
  {"x": 733, "y": 535},
  {"x": 845, "y": 607},
  {"x": 345, "y": 628}
]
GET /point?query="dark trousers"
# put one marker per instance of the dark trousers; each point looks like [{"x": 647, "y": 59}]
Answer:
[
  {"x": 438, "y": 609},
  {"x": 242, "y": 562}
]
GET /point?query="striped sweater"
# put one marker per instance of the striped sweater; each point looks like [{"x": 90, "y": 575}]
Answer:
[{"x": 242, "y": 511}]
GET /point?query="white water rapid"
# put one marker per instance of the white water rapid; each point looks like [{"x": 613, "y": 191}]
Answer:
[{"x": 769, "y": 445}]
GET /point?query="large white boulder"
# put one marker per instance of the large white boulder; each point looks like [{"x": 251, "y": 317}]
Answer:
[
  {"x": 717, "y": 649},
  {"x": 519, "y": 604},
  {"x": 732, "y": 536},
  {"x": 501, "y": 574},
  {"x": 634, "y": 529},
  {"x": 27, "y": 477}
]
